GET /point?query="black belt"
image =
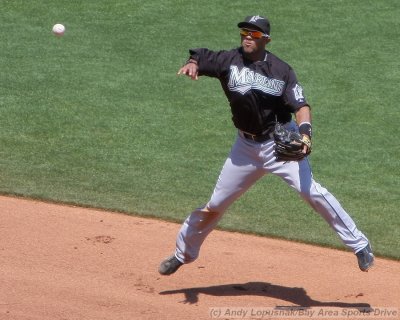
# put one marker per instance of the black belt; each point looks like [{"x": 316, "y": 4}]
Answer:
[{"x": 258, "y": 138}]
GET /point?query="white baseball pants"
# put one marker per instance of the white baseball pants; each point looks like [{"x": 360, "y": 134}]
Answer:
[{"x": 249, "y": 161}]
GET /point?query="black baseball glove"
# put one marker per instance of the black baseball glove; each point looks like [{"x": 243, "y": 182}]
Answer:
[{"x": 289, "y": 145}]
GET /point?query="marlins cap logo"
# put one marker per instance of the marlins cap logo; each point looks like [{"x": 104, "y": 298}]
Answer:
[{"x": 255, "y": 18}]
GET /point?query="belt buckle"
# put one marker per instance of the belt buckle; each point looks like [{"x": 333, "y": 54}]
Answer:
[
  {"x": 258, "y": 138},
  {"x": 249, "y": 136},
  {"x": 252, "y": 137}
]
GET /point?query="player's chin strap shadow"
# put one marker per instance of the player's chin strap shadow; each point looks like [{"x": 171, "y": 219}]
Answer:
[{"x": 294, "y": 295}]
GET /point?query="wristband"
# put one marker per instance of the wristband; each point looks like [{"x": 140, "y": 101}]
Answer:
[
  {"x": 191, "y": 61},
  {"x": 305, "y": 128}
]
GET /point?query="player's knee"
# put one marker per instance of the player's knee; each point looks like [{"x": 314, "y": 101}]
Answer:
[{"x": 214, "y": 209}]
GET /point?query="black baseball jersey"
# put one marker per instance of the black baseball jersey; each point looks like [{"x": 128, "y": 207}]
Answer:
[{"x": 258, "y": 92}]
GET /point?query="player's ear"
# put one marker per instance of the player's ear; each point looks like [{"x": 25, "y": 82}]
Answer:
[{"x": 266, "y": 41}]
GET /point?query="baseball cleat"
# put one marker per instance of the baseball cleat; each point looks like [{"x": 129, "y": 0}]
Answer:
[
  {"x": 169, "y": 266},
  {"x": 365, "y": 258}
]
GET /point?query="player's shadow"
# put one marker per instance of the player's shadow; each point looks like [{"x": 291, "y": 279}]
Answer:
[{"x": 294, "y": 295}]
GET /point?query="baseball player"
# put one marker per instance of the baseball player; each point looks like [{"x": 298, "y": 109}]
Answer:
[{"x": 262, "y": 90}]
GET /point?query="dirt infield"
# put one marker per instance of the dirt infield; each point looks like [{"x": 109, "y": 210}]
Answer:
[{"x": 68, "y": 263}]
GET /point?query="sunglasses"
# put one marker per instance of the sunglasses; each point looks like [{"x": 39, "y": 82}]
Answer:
[{"x": 253, "y": 33}]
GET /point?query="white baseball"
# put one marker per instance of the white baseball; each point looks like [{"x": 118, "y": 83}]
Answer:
[{"x": 58, "y": 29}]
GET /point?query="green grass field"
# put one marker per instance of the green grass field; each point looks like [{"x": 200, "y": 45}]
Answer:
[{"x": 99, "y": 118}]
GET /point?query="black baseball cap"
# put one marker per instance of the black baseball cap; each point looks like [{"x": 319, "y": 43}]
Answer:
[{"x": 259, "y": 23}]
